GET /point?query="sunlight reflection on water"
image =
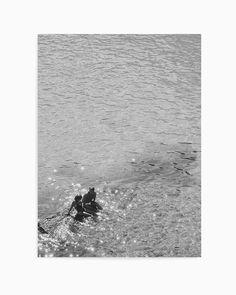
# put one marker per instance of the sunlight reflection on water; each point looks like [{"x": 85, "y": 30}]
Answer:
[{"x": 107, "y": 103}]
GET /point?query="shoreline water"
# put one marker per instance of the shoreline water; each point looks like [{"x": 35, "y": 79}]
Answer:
[{"x": 168, "y": 196}]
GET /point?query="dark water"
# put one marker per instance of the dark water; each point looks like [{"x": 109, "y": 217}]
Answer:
[{"x": 121, "y": 113}]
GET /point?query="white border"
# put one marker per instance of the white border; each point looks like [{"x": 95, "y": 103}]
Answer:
[{"x": 21, "y": 271}]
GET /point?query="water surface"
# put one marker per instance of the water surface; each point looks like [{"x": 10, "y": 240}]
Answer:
[{"x": 121, "y": 113}]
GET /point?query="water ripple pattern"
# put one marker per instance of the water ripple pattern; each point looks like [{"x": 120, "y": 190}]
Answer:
[{"x": 121, "y": 113}]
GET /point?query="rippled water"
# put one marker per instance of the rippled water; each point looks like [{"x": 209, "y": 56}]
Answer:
[{"x": 121, "y": 113}]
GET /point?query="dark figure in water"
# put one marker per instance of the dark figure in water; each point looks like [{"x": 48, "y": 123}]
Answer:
[
  {"x": 77, "y": 204},
  {"x": 88, "y": 202},
  {"x": 41, "y": 229}
]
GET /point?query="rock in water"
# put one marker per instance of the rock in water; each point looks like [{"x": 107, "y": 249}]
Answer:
[{"x": 41, "y": 229}]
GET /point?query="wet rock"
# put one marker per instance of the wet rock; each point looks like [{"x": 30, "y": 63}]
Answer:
[{"x": 41, "y": 229}]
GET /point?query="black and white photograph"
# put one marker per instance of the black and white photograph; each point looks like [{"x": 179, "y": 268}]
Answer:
[{"x": 119, "y": 145}]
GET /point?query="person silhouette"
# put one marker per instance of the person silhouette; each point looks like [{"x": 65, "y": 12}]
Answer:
[
  {"x": 77, "y": 205},
  {"x": 88, "y": 202}
]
